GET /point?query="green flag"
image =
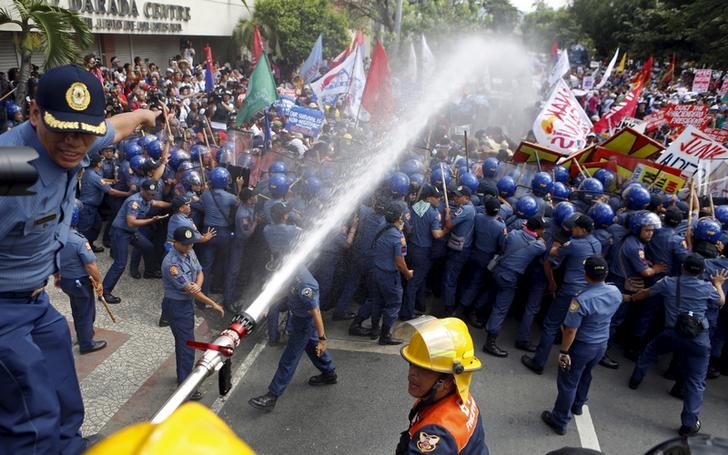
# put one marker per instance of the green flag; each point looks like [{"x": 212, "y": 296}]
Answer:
[{"x": 261, "y": 91}]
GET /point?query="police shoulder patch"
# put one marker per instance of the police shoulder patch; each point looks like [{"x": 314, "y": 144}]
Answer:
[
  {"x": 307, "y": 292},
  {"x": 427, "y": 443},
  {"x": 134, "y": 205},
  {"x": 574, "y": 306},
  {"x": 88, "y": 246},
  {"x": 568, "y": 242},
  {"x": 641, "y": 254},
  {"x": 173, "y": 270}
]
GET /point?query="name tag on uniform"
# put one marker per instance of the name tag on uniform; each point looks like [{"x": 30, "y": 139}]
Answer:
[{"x": 45, "y": 219}]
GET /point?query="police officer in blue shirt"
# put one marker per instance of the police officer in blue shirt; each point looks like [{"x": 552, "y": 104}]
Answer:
[
  {"x": 461, "y": 226},
  {"x": 306, "y": 334},
  {"x": 571, "y": 256},
  {"x": 585, "y": 332},
  {"x": 181, "y": 210},
  {"x": 489, "y": 238},
  {"x": 384, "y": 282},
  {"x": 182, "y": 279},
  {"x": 687, "y": 298},
  {"x": 41, "y": 410},
  {"x": 245, "y": 224},
  {"x": 125, "y": 232},
  {"x": 109, "y": 164},
  {"x": 78, "y": 268},
  {"x": 93, "y": 189},
  {"x": 426, "y": 226},
  {"x": 520, "y": 248}
]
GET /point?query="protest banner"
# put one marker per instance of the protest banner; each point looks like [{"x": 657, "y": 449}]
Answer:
[
  {"x": 723, "y": 87},
  {"x": 630, "y": 142},
  {"x": 527, "y": 153},
  {"x": 626, "y": 164},
  {"x": 657, "y": 177},
  {"x": 562, "y": 124},
  {"x": 655, "y": 121},
  {"x": 587, "y": 83},
  {"x": 688, "y": 149},
  {"x": 686, "y": 114},
  {"x": 716, "y": 134},
  {"x": 636, "y": 124},
  {"x": 283, "y": 105},
  {"x": 701, "y": 82},
  {"x": 305, "y": 121}
]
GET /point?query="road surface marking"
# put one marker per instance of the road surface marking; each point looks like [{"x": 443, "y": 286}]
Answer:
[
  {"x": 585, "y": 428},
  {"x": 238, "y": 376}
]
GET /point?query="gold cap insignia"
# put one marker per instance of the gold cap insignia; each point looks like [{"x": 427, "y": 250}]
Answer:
[
  {"x": 188, "y": 234},
  {"x": 78, "y": 97}
]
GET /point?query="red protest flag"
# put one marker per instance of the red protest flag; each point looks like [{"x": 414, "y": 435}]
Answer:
[
  {"x": 554, "y": 51},
  {"x": 377, "y": 97},
  {"x": 643, "y": 77},
  {"x": 669, "y": 73},
  {"x": 257, "y": 45}
]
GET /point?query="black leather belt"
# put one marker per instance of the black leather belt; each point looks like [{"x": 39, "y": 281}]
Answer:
[{"x": 23, "y": 294}]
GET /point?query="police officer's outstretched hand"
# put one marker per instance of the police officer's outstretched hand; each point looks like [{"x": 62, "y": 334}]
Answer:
[
  {"x": 207, "y": 236},
  {"x": 719, "y": 278}
]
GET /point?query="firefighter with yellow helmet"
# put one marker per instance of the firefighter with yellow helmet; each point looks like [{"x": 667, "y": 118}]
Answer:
[{"x": 445, "y": 418}]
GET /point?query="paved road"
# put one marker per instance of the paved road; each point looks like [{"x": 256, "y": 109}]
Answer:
[{"x": 367, "y": 409}]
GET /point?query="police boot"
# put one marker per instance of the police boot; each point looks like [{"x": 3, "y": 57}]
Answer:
[
  {"x": 385, "y": 338},
  {"x": 714, "y": 368},
  {"x": 374, "y": 334},
  {"x": 355, "y": 329},
  {"x": 493, "y": 349},
  {"x": 264, "y": 402}
]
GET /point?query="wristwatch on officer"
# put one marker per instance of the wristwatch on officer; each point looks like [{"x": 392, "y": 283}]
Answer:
[{"x": 322, "y": 338}]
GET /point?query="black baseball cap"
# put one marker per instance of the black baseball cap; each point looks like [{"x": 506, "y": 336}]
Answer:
[
  {"x": 71, "y": 100},
  {"x": 492, "y": 206},
  {"x": 584, "y": 222},
  {"x": 535, "y": 223},
  {"x": 149, "y": 185},
  {"x": 430, "y": 191},
  {"x": 184, "y": 235},
  {"x": 673, "y": 216},
  {"x": 179, "y": 201},
  {"x": 247, "y": 192},
  {"x": 460, "y": 190},
  {"x": 596, "y": 268},
  {"x": 279, "y": 210},
  {"x": 95, "y": 157},
  {"x": 694, "y": 264}
]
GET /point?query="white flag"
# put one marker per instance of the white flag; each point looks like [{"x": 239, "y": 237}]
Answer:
[
  {"x": 356, "y": 88},
  {"x": 310, "y": 68},
  {"x": 608, "y": 71},
  {"x": 562, "y": 124},
  {"x": 335, "y": 82},
  {"x": 562, "y": 67}
]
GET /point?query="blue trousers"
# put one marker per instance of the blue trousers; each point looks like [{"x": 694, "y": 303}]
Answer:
[
  {"x": 273, "y": 317},
  {"x": 41, "y": 409},
  {"x": 552, "y": 325},
  {"x": 234, "y": 265},
  {"x": 453, "y": 267},
  {"x": 480, "y": 276},
  {"x": 573, "y": 384},
  {"x": 89, "y": 222},
  {"x": 217, "y": 249},
  {"x": 181, "y": 317},
  {"x": 83, "y": 308},
  {"x": 120, "y": 241},
  {"x": 386, "y": 292},
  {"x": 650, "y": 308},
  {"x": 326, "y": 266},
  {"x": 718, "y": 333},
  {"x": 536, "y": 288},
  {"x": 355, "y": 273},
  {"x": 414, "y": 293},
  {"x": 114, "y": 204},
  {"x": 694, "y": 354},
  {"x": 302, "y": 337},
  {"x": 506, "y": 283}
]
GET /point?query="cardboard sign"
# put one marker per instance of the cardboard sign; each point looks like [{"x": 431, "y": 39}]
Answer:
[
  {"x": 689, "y": 148},
  {"x": 627, "y": 164},
  {"x": 701, "y": 82},
  {"x": 528, "y": 153},
  {"x": 655, "y": 121},
  {"x": 716, "y": 134},
  {"x": 723, "y": 87},
  {"x": 587, "y": 83},
  {"x": 304, "y": 120},
  {"x": 665, "y": 181},
  {"x": 686, "y": 114},
  {"x": 630, "y": 142},
  {"x": 636, "y": 124}
]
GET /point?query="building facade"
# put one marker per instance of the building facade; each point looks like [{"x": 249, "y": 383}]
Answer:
[{"x": 154, "y": 30}]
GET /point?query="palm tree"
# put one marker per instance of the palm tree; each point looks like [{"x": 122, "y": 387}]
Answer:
[{"x": 60, "y": 33}]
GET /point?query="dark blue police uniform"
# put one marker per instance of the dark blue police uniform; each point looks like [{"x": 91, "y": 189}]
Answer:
[
  {"x": 385, "y": 282},
  {"x": 463, "y": 226},
  {"x": 91, "y": 194},
  {"x": 244, "y": 220},
  {"x": 489, "y": 238},
  {"x": 424, "y": 219},
  {"x": 76, "y": 284},
  {"x": 280, "y": 238},
  {"x": 218, "y": 248}
]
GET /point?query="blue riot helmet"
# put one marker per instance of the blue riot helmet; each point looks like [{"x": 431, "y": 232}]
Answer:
[
  {"x": 579, "y": 179},
  {"x": 506, "y": 186},
  {"x": 311, "y": 187},
  {"x": 636, "y": 197},
  {"x": 721, "y": 213},
  {"x": 643, "y": 219},
  {"x": 137, "y": 163},
  {"x": 144, "y": 140},
  {"x": 469, "y": 180},
  {"x": 562, "y": 212},
  {"x": 436, "y": 178},
  {"x": 602, "y": 214},
  {"x": 590, "y": 188},
  {"x": 185, "y": 166},
  {"x": 561, "y": 174},
  {"x": 526, "y": 207},
  {"x": 629, "y": 184},
  {"x": 76, "y": 214},
  {"x": 542, "y": 183},
  {"x": 11, "y": 109},
  {"x": 416, "y": 181},
  {"x": 607, "y": 178},
  {"x": 399, "y": 184},
  {"x": 708, "y": 230},
  {"x": 177, "y": 157},
  {"x": 132, "y": 150},
  {"x": 219, "y": 178},
  {"x": 460, "y": 161},
  {"x": 278, "y": 167},
  {"x": 190, "y": 179},
  {"x": 463, "y": 170},
  {"x": 153, "y": 149},
  {"x": 278, "y": 185},
  {"x": 197, "y": 151},
  {"x": 490, "y": 167},
  {"x": 412, "y": 166},
  {"x": 560, "y": 191}
]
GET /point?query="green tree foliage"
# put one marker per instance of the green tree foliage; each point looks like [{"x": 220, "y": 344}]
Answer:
[
  {"x": 60, "y": 33},
  {"x": 290, "y": 27},
  {"x": 545, "y": 25}
]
